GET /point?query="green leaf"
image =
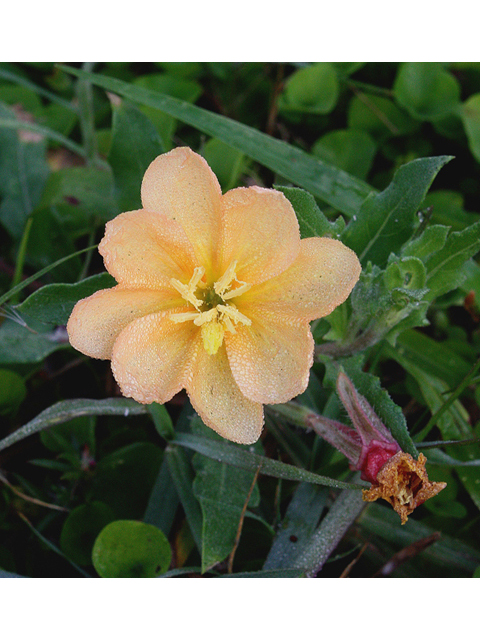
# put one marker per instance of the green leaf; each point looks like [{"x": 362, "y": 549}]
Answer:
[
  {"x": 232, "y": 455},
  {"x": 53, "y": 303},
  {"x": 379, "y": 116},
  {"x": 444, "y": 267},
  {"x": 452, "y": 423},
  {"x": 448, "y": 209},
  {"x": 313, "y": 89},
  {"x": 222, "y": 491},
  {"x": 297, "y": 527},
  {"x": 470, "y": 113},
  {"x": 130, "y": 549},
  {"x": 348, "y": 149},
  {"x": 433, "y": 356},
  {"x": 71, "y": 437},
  {"x": 81, "y": 529},
  {"x": 67, "y": 409},
  {"x": 135, "y": 144},
  {"x": 12, "y": 391},
  {"x": 163, "y": 501},
  {"x": 426, "y": 90},
  {"x": 386, "y": 221},
  {"x": 447, "y": 552},
  {"x": 182, "y": 475},
  {"x": 312, "y": 221},
  {"x": 162, "y": 420},
  {"x": 23, "y": 172},
  {"x": 19, "y": 344},
  {"x": 335, "y": 187},
  {"x": 124, "y": 479},
  {"x": 340, "y": 517},
  {"x": 187, "y": 90},
  {"x": 81, "y": 197},
  {"x": 227, "y": 163}
]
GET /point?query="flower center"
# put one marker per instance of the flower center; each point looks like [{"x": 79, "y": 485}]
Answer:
[{"x": 213, "y": 311}]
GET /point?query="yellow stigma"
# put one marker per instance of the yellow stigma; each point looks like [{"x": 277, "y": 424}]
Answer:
[
  {"x": 212, "y": 336},
  {"x": 211, "y": 311}
]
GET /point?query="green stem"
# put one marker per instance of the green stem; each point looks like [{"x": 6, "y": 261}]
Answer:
[
  {"x": 17, "y": 276},
  {"x": 19, "y": 287},
  {"x": 87, "y": 115}
]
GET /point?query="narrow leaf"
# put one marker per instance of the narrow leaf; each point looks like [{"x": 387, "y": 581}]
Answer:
[
  {"x": 332, "y": 185},
  {"x": 68, "y": 409},
  {"x": 244, "y": 459}
]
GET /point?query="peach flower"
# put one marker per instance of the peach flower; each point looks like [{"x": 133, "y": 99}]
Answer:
[{"x": 215, "y": 294}]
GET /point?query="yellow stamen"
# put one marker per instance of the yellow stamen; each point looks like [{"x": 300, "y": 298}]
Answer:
[
  {"x": 187, "y": 291},
  {"x": 183, "y": 317},
  {"x": 206, "y": 316},
  {"x": 225, "y": 282},
  {"x": 232, "y": 312},
  {"x": 238, "y": 291},
  {"x": 219, "y": 318}
]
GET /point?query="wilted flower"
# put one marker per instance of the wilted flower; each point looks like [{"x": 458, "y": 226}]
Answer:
[
  {"x": 215, "y": 295},
  {"x": 395, "y": 475},
  {"x": 404, "y": 483}
]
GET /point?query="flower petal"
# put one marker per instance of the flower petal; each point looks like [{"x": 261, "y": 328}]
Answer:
[
  {"x": 152, "y": 357},
  {"x": 219, "y": 402},
  {"x": 320, "y": 279},
  {"x": 96, "y": 322},
  {"x": 271, "y": 358},
  {"x": 181, "y": 185},
  {"x": 260, "y": 232},
  {"x": 143, "y": 248}
]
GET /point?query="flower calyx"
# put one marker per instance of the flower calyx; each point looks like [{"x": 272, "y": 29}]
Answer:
[{"x": 394, "y": 474}]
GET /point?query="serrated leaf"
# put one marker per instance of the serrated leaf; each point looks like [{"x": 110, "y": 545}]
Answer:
[{"x": 387, "y": 220}]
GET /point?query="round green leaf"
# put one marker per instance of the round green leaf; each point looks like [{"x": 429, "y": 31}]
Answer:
[
  {"x": 12, "y": 391},
  {"x": 426, "y": 90},
  {"x": 348, "y": 149},
  {"x": 379, "y": 116},
  {"x": 471, "y": 121},
  {"x": 314, "y": 89},
  {"x": 81, "y": 529},
  {"x": 131, "y": 549}
]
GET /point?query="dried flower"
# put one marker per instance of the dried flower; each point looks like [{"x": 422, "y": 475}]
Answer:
[
  {"x": 215, "y": 295},
  {"x": 403, "y": 482},
  {"x": 395, "y": 475}
]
